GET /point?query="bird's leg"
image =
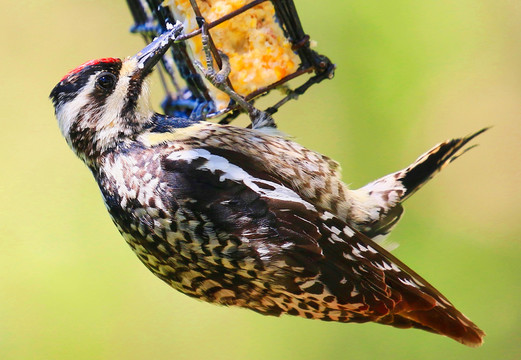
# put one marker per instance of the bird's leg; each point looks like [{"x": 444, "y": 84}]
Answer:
[
  {"x": 259, "y": 119},
  {"x": 199, "y": 112}
]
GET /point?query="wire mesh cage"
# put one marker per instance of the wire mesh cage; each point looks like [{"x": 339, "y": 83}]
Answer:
[{"x": 263, "y": 39}]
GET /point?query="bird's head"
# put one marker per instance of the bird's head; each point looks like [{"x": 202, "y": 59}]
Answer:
[{"x": 101, "y": 103}]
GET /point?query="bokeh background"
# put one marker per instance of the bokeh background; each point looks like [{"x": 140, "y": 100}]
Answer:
[{"x": 410, "y": 74}]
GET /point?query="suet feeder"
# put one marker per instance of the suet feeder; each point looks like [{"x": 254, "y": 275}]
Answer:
[{"x": 263, "y": 39}]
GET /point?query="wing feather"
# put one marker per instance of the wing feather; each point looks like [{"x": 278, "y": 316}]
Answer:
[{"x": 309, "y": 262}]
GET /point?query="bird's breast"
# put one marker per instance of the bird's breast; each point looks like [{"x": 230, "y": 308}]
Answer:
[{"x": 179, "y": 245}]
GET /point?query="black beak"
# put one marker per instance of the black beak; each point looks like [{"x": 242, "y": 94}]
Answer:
[{"x": 148, "y": 57}]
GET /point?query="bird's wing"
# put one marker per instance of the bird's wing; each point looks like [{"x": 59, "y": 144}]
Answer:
[
  {"x": 308, "y": 257},
  {"x": 313, "y": 176}
]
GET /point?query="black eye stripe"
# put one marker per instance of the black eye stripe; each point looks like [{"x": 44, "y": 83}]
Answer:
[{"x": 67, "y": 89}]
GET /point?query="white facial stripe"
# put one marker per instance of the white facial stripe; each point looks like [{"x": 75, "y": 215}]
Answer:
[
  {"x": 117, "y": 99},
  {"x": 111, "y": 124},
  {"x": 235, "y": 173},
  {"x": 68, "y": 112},
  {"x": 143, "y": 108},
  {"x": 129, "y": 67},
  {"x": 114, "y": 104}
]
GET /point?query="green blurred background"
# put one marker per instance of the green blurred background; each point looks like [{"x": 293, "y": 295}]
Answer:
[{"x": 410, "y": 74}]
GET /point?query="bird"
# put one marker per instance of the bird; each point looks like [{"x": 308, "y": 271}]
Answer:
[{"x": 247, "y": 217}]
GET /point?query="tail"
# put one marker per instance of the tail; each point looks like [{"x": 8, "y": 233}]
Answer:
[
  {"x": 382, "y": 198},
  {"x": 432, "y": 162}
]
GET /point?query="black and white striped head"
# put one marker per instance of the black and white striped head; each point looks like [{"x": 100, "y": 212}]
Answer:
[
  {"x": 100, "y": 103},
  {"x": 104, "y": 102}
]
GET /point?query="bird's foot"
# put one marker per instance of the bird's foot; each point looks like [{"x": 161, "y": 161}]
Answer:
[{"x": 219, "y": 79}]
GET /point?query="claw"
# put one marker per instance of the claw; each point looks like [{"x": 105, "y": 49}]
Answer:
[
  {"x": 200, "y": 111},
  {"x": 222, "y": 75},
  {"x": 219, "y": 79}
]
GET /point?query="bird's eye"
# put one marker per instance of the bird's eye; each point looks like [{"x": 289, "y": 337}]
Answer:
[{"x": 106, "y": 81}]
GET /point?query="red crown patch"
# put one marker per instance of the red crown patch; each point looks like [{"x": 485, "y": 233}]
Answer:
[{"x": 89, "y": 63}]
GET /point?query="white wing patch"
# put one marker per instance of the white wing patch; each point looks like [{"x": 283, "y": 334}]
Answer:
[{"x": 233, "y": 172}]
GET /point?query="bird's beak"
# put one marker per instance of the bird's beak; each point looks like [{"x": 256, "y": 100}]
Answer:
[{"x": 148, "y": 57}]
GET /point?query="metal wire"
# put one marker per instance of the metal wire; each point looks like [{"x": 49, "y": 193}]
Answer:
[{"x": 151, "y": 19}]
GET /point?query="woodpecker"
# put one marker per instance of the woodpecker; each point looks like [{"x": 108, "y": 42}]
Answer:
[{"x": 244, "y": 216}]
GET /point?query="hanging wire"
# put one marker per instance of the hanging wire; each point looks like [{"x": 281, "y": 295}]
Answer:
[{"x": 151, "y": 19}]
